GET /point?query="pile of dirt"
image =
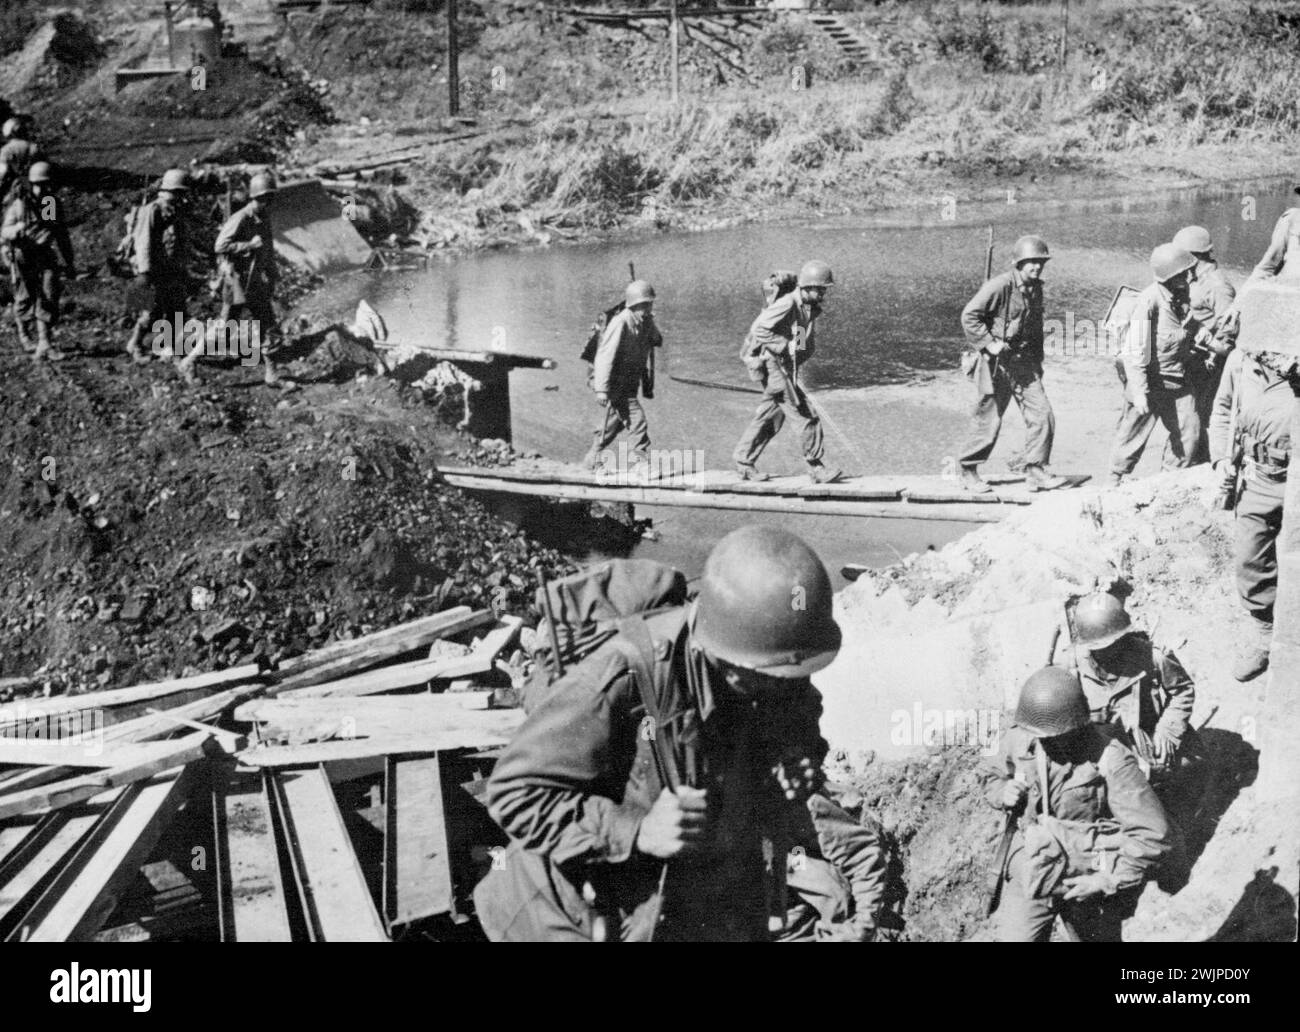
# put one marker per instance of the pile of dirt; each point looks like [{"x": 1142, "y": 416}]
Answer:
[
  {"x": 56, "y": 56},
  {"x": 955, "y": 632}
]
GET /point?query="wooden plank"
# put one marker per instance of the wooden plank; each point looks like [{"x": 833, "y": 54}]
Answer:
[
  {"x": 753, "y": 502},
  {"x": 253, "y": 903},
  {"x": 350, "y": 657},
  {"x": 85, "y": 893},
  {"x": 342, "y": 909},
  {"x": 13, "y": 835},
  {"x": 479, "y": 735},
  {"x": 74, "y": 790},
  {"x": 65, "y": 830},
  {"x": 124, "y": 696},
  {"x": 417, "y": 861},
  {"x": 69, "y": 753}
]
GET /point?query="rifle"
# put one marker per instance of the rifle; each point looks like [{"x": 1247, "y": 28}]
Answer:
[{"x": 988, "y": 258}]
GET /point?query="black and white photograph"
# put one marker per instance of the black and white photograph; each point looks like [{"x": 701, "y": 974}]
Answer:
[{"x": 651, "y": 470}]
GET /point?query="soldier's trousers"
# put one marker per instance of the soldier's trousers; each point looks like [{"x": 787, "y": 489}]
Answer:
[
  {"x": 1026, "y": 386},
  {"x": 1022, "y": 919},
  {"x": 1259, "y": 519},
  {"x": 1177, "y": 411},
  {"x": 1206, "y": 387},
  {"x": 622, "y": 414},
  {"x": 770, "y": 416},
  {"x": 37, "y": 286}
]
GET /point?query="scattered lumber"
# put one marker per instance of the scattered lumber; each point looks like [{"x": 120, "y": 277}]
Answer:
[
  {"x": 88, "y": 752},
  {"x": 252, "y": 903},
  {"x": 348, "y": 657},
  {"x": 74, "y": 790},
  {"x": 335, "y": 897},
  {"x": 417, "y": 856},
  {"x": 403, "y": 676},
  {"x": 85, "y": 892}
]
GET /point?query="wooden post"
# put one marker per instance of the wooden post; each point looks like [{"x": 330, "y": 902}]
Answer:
[
  {"x": 673, "y": 46},
  {"x": 171, "y": 46},
  {"x": 1065, "y": 29},
  {"x": 453, "y": 61}
]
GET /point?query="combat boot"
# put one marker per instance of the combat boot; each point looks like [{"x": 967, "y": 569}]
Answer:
[
  {"x": 824, "y": 474},
  {"x": 973, "y": 482},
  {"x": 748, "y": 471},
  {"x": 45, "y": 351},
  {"x": 1039, "y": 479},
  {"x": 133, "y": 347},
  {"x": 1252, "y": 656}
]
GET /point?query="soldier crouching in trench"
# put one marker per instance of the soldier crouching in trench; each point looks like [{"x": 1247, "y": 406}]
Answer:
[{"x": 1084, "y": 830}]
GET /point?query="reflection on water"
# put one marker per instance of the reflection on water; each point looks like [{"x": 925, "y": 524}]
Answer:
[{"x": 891, "y": 318}]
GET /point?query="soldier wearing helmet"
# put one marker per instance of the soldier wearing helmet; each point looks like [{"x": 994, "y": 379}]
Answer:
[
  {"x": 1156, "y": 357},
  {"x": 623, "y": 370},
  {"x": 1084, "y": 828},
  {"x": 160, "y": 256},
  {"x": 17, "y": 155},
  {"x": 38, "y": 250},
  {"x": 1003, "y": 324},
  {"x": 1134, "y": 684},
  {"x": 245, "y": 252},
  {"x": 1212, "y": 298},
  {"x": 1282, "y": 257},
  {"x": 644, "y": 790},
  {"x": 782, "y": 337}
]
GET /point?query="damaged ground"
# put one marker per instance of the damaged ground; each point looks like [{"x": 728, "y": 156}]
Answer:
[{"x": 959, "y": 629}]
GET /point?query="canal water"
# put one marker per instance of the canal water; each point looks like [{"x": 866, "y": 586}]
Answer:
[{"x": 887, "y": 343}]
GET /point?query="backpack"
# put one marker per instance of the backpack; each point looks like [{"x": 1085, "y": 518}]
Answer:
[
  {"x": 121, "y": 262},
  {"x": 776, "y": 285},
  {"x": 588, "y": 353}
]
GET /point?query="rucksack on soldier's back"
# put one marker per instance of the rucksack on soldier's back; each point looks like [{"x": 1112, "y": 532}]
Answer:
[
  {"x": 775, "y": 285},
  {"x": 589, "y": 607}
]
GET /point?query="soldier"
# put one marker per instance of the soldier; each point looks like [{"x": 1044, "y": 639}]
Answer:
[
  {"x": 1003, "y": 324},
  {"x": 246, "y": 256},
  {"x": 1156, "y": 355},
  {"x": 1283, "y": 247},
  {"x": 624, "y": 368},
  {"x": 656, "y": 789},
  {"x": 17, "y": 155},
  {"x": 1133, "y": 684},
  {"x": 1251, "y": 423},
  {"x": 38, "y": 250},
  {"x": 159, "y": 258},
  {"x": 1084, "y": 829},
  {"x": 1212, "y": 300},
  {"x": 782, "y": 338}
]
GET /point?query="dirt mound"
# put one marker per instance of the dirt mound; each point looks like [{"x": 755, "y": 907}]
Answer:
[
  {"x": 937, "y": 647},
  {"x": 56, "y": 56}
]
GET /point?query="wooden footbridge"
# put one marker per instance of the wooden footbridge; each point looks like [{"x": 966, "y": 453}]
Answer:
[{"x": 675, "y": 484}]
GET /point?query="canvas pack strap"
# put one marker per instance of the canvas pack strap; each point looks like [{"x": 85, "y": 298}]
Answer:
[{"x": 637, "y": 645}]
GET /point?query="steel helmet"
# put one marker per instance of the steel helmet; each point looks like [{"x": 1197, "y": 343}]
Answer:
[
  {"x": 765, "y": 604},
  {"x": 13, "y": 126},
  {"x": 1195, "y": 239},
  {"x": 1052, "y": 703},
  {"x": 1100, "y": 619},
  {"x": 175, "y": 179},
  {"x": 638, "y": 292},
  {"x": 40, "y": 172},
  {"x": 815, "y": 274},
  {"x": 1030, "y": 248},
  {"x": 261, "y": 184},
  {"x": 1168, "y": 260}
]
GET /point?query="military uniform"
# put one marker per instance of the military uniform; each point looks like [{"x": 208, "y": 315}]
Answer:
[
  {"x": 37, "y": 240},
  {"x": 623, "y": 369},
  {"x": 782, "y": 338},
  {"x": 1156, "y": 356},
  {"x": 248, "y": 274},
  {"x": 1007, "y": 308},
  {"x": 576, "y": 781},
  {"x": 1283, "y": 246},
  {"x": 1265, "y": 404},
  {"x": 1101, "y": 815},
  {"x": 1212, "y": 296},
  {"x": 160, "y": 259},
  {"x": 17, "y": 157},
  {"x": 1144, "y": 691}
]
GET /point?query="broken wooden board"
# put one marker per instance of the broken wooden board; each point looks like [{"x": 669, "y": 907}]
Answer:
[
  {"x": 68, "y": 752},
  {"x": 417, "y": 860},
  {"x": 252, "y": 902},
  {"x": 85, "y": 892},
  {"x": 481, "y": 734},
  {"x": 336, "y": 897},
  {"x": 349, "y": 657},
  {"x": 74, "y": 790}
]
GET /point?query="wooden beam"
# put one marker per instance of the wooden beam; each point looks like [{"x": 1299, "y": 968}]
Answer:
[
  {"x": 85, "y": 893},
  {"x": 338, "y": 898},
  {"x": 417, "y": 862},
  {"x": 13, "y": 834},
  {"x": 71, "y": 753},
  {"x": 349, "y": 657},
  {"x": 75, "y": 790},
  {"x": 252, "y": 902}
]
